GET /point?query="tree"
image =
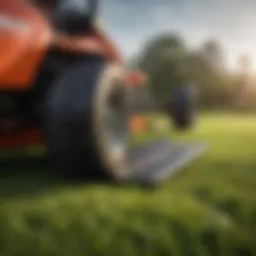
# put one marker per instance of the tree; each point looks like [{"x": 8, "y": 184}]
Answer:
[
  {"x": 212, "y": 52},
  {"x": 243, "y": 83},
  {"x": 162, "y": 60},
  {"x": 168, "y": 62},
  {"x": 245, "y": 64}
]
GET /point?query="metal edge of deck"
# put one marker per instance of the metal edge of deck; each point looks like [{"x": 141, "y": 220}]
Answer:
[
  {"x": 171, "y": 168},
  {"x": 179, "y": 164}
]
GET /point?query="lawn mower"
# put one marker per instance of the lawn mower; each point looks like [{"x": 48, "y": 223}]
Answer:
[{"x": 63, "y": 85}]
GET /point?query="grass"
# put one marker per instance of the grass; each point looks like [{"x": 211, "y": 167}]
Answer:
[{"x": 208, "y": 210}]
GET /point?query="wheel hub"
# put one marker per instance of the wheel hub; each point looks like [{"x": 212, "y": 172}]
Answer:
[{"x": 116, "y": 123}]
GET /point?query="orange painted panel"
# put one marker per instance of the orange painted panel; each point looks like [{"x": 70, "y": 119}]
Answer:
[
  {"x": 139, "y": 124},
  {"x": 25, "y": 37},
  {"x": 29, "y": 137},
  {"x": 136, "y": 78},
  {"x": 94, "y": 43}
]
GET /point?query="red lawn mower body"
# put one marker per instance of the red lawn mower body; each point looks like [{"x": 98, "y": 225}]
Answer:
[{"x": 26, "y": 38}]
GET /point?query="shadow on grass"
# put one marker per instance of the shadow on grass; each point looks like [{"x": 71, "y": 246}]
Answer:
[{"x": 25, "y": 177}]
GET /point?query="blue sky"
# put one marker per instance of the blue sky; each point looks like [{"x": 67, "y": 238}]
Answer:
[{"x": 232, "y": 22}]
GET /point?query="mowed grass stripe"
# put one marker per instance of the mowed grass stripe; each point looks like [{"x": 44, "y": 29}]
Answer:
[{"x": 208, "y": 210}]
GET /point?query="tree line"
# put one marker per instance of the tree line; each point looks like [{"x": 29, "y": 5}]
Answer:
[{"x": 169, "y": 62}]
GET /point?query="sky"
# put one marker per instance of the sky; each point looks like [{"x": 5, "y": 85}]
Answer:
[{"x": 232, "y": 22}]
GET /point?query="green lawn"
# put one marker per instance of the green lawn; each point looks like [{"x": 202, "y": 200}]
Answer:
[{"x": 208, "y": 210}]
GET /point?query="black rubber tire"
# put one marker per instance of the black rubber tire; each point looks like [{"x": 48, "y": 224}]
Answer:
[
  {"x": 182, "y": 110},
  {"x": 73, "y": 121},
  {"x": 183, "y": 119}
]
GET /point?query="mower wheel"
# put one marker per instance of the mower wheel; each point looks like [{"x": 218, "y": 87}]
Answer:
[
  {"x": 86, "y": 121},
  {"x": 183, "y": 118},
  {"x": 182, "y": 108}
]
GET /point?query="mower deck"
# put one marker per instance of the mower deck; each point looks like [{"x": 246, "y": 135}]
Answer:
[
  {"x": 149, "y": 164},
  {"x": 156, "y": 161}
]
